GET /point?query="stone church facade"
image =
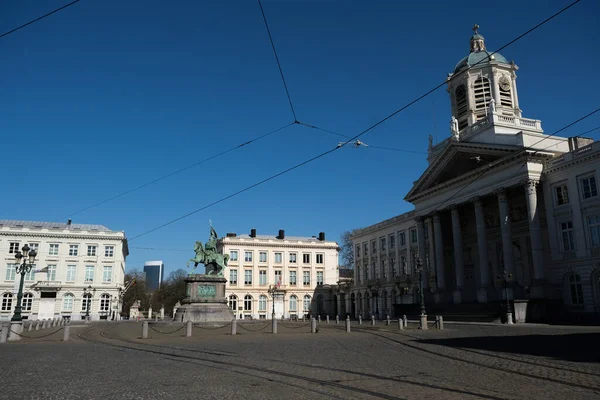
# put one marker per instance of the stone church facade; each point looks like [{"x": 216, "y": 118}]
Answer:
[{"x": 499, "y": 195}]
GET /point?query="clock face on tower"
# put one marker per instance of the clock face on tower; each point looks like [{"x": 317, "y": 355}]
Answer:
[{"x": 504, "y": 83}]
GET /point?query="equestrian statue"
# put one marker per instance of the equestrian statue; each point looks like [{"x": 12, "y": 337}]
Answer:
[{"x": 208, "y": 255}]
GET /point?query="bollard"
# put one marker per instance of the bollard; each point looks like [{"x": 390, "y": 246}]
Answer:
[
  {"x": 423, "y": 322},
  {"x": 313, "y": 325},
  {"x": 327, "y": 319},
  {"x": 43, "y": 324},
  {"x": 372, "y": 320},
  {"x": 4, "y": 332},
  {"x": 348, "y": 324},
  {"x": 405, "y": 320},
  {"x": 274, "y": 325},
  {"x": 509, "y": 318},
  {"x": 319, "y": 318},
  {"x": 400, "y": 324},
  {"x": 337, "y": 319},
  {"x": 360, "y": 319},
  {"x": 387, "y": 320},
  {"x": 30, "y": 327},
  {"x": 66, "y": 331},
  {"x": 145, "y": 330},
  {"x": 62, "y": 322},
  {"x": 188, "y": 329},
  {"x": 234, "y": 326},
  {"x": 440, "y": 322},
  {"x": 37, "y": 325}
]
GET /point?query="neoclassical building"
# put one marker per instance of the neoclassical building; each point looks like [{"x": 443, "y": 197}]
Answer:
[
  {"x": 498, "y": 195},
  {"x": 74, "y": 258},
  {"x": 300, "y": 269}
]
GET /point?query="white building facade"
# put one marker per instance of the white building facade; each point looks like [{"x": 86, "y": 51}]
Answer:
[
  {"x": 301, "y": 269},
  {"x": 498, "y": 195},
  {"x": 74, "y": 257}
]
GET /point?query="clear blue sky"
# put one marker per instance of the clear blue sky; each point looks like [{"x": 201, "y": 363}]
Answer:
[{"x": 107, "y": 95}]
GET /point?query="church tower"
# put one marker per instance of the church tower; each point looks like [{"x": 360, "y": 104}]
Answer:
[{"x": 482, "y": 82}]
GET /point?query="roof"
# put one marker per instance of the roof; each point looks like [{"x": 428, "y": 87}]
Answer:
[
  {"x": 273, "y": 237},
  {"x": 50, "y": 225},
  {"x": 480, "y": 58}
]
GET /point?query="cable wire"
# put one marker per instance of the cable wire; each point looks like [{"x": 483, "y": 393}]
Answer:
[
  {"x": 287, "y": 92},
  {"x": 38, "y": 19},
  {"x": 321, "y": 155}
]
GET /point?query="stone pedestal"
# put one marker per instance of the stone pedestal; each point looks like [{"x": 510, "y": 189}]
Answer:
[
  {"x": 205, "y": 300},
  {"x": 16, "y": 327},
  {"x": 521, "y": 310}
]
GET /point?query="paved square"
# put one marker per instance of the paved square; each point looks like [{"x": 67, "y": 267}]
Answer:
[{"x": 110, "y": 360}]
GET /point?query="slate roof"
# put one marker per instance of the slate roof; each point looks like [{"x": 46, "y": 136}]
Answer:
[
  {"x": 274, "y": 237},
  {"x": 50, "y": 225}
]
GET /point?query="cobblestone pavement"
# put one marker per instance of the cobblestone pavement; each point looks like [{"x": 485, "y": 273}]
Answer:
[{"x": 110, "y": 360}]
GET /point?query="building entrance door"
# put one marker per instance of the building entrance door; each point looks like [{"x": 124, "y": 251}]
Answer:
[{"x": 46, "y": 310}]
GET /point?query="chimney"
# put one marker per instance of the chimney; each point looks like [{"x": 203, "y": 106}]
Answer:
[
  {"x": 281, "y": 234},
  {"x": 322, "y": 236},
  {"x": 231, "y": 235},
  {"x": 252, "y": 232},
  {"x": 69, "y": 222}
]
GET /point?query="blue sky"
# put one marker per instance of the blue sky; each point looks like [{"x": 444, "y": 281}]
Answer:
[{"x": 107, "y": 95}]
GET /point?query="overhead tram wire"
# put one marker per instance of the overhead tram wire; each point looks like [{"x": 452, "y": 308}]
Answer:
[
  {"x": 321, "y": 155},
  {"x": 38, "y": 19},
  {"x": 176, "y": 172},
  {"x": 287, "y": 92}
]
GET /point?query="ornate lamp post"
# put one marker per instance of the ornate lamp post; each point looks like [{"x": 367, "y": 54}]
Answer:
[
  {"x": 87, "y": 293},
  {"x": 24, "y": 268},
  {"x": 273, "y": 292},
  {"x": 419, "y": 270},
  {"x": 506, "y": 277}
]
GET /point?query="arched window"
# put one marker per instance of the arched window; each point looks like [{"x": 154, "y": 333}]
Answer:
[
  {"x": 27, "y": 302},
  {"x": 460, "y": 94},
  {"x": 7, "y": 299},
  {"x": 573, "y": 282},
  {"x": 247, "y": 303},
  {"x": 233, "y": 302},
  {"x": 87, "y": 299},
  {"x": 293, "y": 303},
  {"x": 320, "y": 304},
  {"x": 483, "y": 95},
  {"x": 68, "y": 302},
  {"x": 262, "y": 303},
  {"x": 307, "y": 303},
  {"x": 104, "y": 302}
]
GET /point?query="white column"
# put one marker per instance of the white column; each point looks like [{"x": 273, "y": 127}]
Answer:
[
  {"x": 458, "y": 254},
  {"x": 515, "y": 97},
  {"x": 421, "y": 243},
  {"x": 505, "y": 226},
  {"x": 439, "y": 253},
  {"x": 537, "y": 252},
  {"x": 495, "y": 90},
  {"x": 482, "y": 248},
  {"x": 431, "y": 251}
]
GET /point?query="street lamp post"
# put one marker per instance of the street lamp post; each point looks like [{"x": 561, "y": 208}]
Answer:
[
  {"x": 419, "y": 269},
  {"x": 87, "y": 293},
  {"x": 272, "y": 291},
  {"x": 24, "y": 268},
  {"x": 507, "y": 277}
]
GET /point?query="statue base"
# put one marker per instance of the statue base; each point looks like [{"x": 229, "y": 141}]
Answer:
[{"x": 205, "y": 300}]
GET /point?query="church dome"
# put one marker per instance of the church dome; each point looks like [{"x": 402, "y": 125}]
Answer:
[{"x": 478, "y": 55}]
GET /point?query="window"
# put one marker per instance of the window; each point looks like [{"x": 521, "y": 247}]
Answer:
[
  {"x": 403, "y": 267},
  {"x": 248, "y": 277},
  {"x": 53, "y": 250},
  {"x": 262, "y": 257},
  {"x": 374, "y": 273},
  {"x": 292, "y": 278},
  {"x": 109, "y": 251},
  {"x": 306, "y": 303},
  {"x": 233, "y": 302},
  {"x": 73, "y": 250},
  {"x": 7, "y": 299},
  {"x": 319, "y": 258},
  {"x": 392, "y": 241},
  {"x": 89, "y": 273},
  {"x": 91, "y": 251},
  {"x": 365, "y": 249},
  {"x": 358, "y": 275},
  {"x": 71, "y": 273},
  {"x": 319, "y": 278},
  {"x": 393, "y": 266},
  {"x": 403, "y": 239},
  {"x": 562, "y": 194},
  {"x": 30, "y": 276},
  {"x": 68, "y": 302},
  {"x": 357, "y": 251},
  {"x": 278, "y": 258},
  {"x": 277, "y": 277},
  {"x": 505, "y": 98},
  {"x": 566, "y": 228},
  {"x": 413, "y": 236},
  {"x": 306, "y": 258},
  {"x": 262, "y": 303},
  {"x": 11, "y": 272},
  {"x": 104, "y": 303},
  {"x": 293, "y": 258},
  {"x": 306, "y": 278},
  {"x": 13, "y": 247},
  {"x": 51, "y": 272},
  {"x": 594, "y": 225},
  {"x": 248, "y": 256},
  {"x": 575, "y": 289},
  {"x": 460, "y": 94},
  {"x": 426, "y": 232},
  {"x": 383, "y": 269},
  {"x": 383, "y": 248},
  {"x": 293, "y": 303},
  {"x": 107, "y": 273},
  {"x": 233, "y": 255},
  {"x": 588, "y": 187},
  {"x": 247, "y": 303},
  {"x": 84, "y": 302},
  {"x": 233, "y": 276},
  {"x": 483, "y": 95},
  {"x": 373, "y": 247},
  {"x": 27, "y": 302},
  {"x": 262, "y": 277},
  {"x": 34, "y": 246}
]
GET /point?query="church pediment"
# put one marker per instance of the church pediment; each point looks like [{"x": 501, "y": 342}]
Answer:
[{"x": 457, "y": 160}]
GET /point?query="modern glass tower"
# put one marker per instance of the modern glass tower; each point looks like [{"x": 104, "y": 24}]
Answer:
[{"x": 154, "y": 274}]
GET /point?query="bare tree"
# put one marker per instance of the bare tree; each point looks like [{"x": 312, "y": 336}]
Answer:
[{"x": 347, "y": 249}]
